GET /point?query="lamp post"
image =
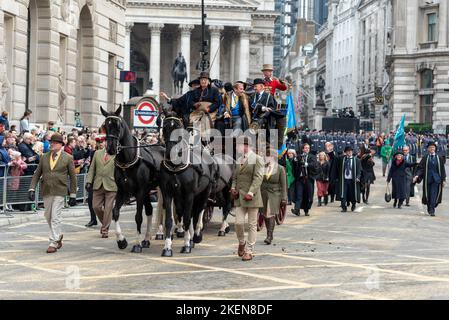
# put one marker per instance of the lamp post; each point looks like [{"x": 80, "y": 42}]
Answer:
[{"x": 204, "y": 43}]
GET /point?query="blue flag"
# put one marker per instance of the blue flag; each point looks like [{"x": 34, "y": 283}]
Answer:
[
  {"x": 291, "y": 123},
  {"x": 399, "y": 137}
]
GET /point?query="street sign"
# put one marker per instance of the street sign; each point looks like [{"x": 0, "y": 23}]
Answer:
[
  {"x": 146, "y": 113},
  {"x": 128, "y": 76},
  {"x": 378, "y": 97},
  {"x": 120, "y": 65},
  {"x": 379, "y": 100}
]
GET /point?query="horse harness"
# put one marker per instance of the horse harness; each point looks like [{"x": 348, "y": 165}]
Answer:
[{"x": 119, "y": 164}]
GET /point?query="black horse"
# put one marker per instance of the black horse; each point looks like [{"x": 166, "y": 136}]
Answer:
[
  {"x": 186, "y": 178},
  {"x": 136, "y": 174}
]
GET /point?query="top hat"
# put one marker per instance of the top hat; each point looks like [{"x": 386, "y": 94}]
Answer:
[
  {"x": 268, "y": 67},
  {"x": 57, "y": 137},
  {"x": 258, "y": 81}
]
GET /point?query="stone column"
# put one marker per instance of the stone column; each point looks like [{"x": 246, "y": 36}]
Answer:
[
  {"x": 268, "y": 48},
  {"x": 412, "y": 25},
  {"x": 155, "y": 55},
  {"x": 215, "y": 33},
  {"x": 244, "y": 53},
  {"x": 127, "y": 64},
  {"x": 442, "y": 25},
  {"x": 186, "y": 30}
]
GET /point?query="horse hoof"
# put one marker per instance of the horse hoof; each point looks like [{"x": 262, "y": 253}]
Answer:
[
  {"x": 192, "y": 244},
  {"x": 180, "y": 234},
  {"x": 186, "y": 249},
  {"x": 137, "y": 248},
  {"x": 145, "y": 243},
  {"x": 159, "y": 237},
  {"x": 122, "y": 244},
  {"x": 221, "y": 233},
  {"x": 227, "y": 229},
  {"x": 197, "y": 239},
  {"x": 167, "y": 253}
]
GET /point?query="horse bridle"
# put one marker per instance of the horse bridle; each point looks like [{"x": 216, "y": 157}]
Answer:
[
  {"x": 166, "y": 162},
  {"x": 119, "y": 164}
]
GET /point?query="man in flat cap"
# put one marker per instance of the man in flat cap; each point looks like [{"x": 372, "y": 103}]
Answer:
[
  {"x": 431, "y": 170},
  {"x": 246, "y": 182},
  {"x": 348, "y": 187}
]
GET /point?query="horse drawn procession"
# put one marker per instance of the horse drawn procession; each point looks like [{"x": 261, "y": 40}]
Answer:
[{"x": 214, "y": 147}]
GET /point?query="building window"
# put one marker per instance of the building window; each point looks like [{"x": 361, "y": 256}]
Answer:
[
  {"x": 113, "y": 31},
  {"x": 431, "y": 27},
  {"x": 426, "y": 109},
  {"x": 427, "y": 79}
]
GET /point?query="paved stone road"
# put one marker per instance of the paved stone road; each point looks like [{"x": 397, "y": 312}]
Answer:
[{"x": 375, "y": 253}]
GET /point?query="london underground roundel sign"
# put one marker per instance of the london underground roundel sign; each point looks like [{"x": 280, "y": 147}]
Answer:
[{"x": 146, "y": 113}]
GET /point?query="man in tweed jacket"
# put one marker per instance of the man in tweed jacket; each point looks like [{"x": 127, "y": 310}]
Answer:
[{"x": 54, "y": 167}]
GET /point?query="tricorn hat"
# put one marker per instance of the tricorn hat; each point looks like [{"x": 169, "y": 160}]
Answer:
[
  {"x": 267, "y": 67},
  {"x": 245, "y": 85},
  {"x": 205, "y": 74},
  {"x": 57, "y": 137},
  {"x": 194, "y": 82}
]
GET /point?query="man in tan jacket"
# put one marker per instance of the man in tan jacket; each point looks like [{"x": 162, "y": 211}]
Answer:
[
  {"x": 101, "y": 179},
  {"x": 54, "y": 167},
  {"x": 245, "y": 190}
]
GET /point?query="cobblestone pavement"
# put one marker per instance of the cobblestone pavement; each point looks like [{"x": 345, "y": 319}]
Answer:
[{"x": 376, "y": 252}]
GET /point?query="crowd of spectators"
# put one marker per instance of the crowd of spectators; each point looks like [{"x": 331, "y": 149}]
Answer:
[{"x": 21, "y": 150}]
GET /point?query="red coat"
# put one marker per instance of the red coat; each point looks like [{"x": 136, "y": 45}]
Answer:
[{"x": 274, "y": 84}]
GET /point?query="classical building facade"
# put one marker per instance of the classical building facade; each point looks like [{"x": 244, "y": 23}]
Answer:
[
  {"x": 418, "y": 63},
  {"x": 373, "y": 19},
  {"x": 240, "y": 34},
  {"x": 58, "y": 58}
]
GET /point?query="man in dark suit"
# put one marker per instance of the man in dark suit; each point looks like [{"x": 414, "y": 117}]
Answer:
[
  {"x": 54, "y": 168},
  {"x": 349, "y": 172},
  {"x": 431, "y": 169},
  {"x": 305, "y": 169},
  {"x": 263, "y": 107}
]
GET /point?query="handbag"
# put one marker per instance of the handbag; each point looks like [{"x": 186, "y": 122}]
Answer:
[{"x": 388, "y": 193}]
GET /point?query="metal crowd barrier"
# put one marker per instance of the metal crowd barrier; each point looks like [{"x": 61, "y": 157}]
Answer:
[{"x": 14, "y": 189}]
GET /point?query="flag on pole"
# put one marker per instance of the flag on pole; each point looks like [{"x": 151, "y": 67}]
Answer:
[
  {"x": 399, "y": 137},
  {"x": 291, "y": 123}
]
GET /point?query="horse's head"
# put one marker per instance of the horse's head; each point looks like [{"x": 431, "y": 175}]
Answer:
[
  {"x": 114, "y": 127},
  {"x": 171, "y": 123}
]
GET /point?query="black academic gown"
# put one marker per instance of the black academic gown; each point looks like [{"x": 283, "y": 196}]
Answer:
[
  {"x": 423, "y": 174},
  {"x": 311, "y": 173},
  {"x": 356, "y": 174},
  {"x": 333, "y": 172}
]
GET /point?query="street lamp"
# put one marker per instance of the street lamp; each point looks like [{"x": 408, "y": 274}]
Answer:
[{"x": 204, "y": 43}]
